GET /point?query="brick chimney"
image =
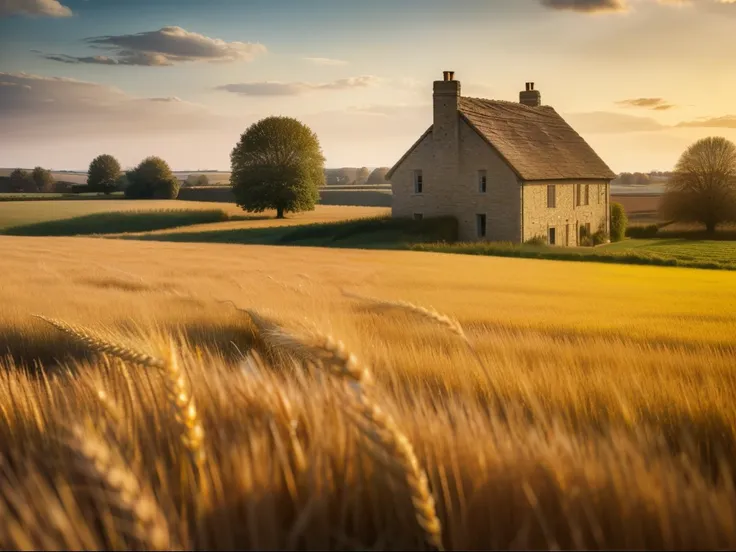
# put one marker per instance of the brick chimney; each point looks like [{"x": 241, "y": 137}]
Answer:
[
  {"x": 446, "y": 103},
  {"x": 530, "y": 97}
]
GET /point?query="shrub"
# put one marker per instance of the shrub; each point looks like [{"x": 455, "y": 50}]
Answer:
[
  {"x": 152, "y": 179},
  {"x": 619, "y": 221},
  {"x": 642, "y": 232},
  {"x": 600, "y": 237},
  {"x": 80, "y": 188},
  {"x": 62, "y": 187},
  {"x": 536, "y": 240},
  {"x": 197, "y": 180}
]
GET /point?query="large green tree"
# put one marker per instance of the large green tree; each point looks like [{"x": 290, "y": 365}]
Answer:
[
  {"x": 152, "y": 179},
  {"x": 43, "y": 179},
  {"x": 277, "y": 164},
  {"x": 703, "y": 186},
  {"x": 103, "y": 171}
]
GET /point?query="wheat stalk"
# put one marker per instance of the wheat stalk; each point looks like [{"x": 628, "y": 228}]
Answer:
[
  {"x": 182, "y": 402},
  {"x": 378, "y": 426},
  {"x": 102, "y": 345},
  {"x": 103, "y": 465},
  {"x": 177, "y": 387},
  {"x": 427, "y": 313},
  {"x": 382, "y": 431}
]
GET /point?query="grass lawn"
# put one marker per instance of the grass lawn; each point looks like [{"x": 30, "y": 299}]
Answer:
[
  {"x": 659, "y": 252},
  {"x": 21, "y": 213},
  {"x": 687, "y": 250}
]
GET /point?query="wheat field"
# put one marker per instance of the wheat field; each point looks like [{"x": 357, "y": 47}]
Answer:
[{"x": 164, "y": 396}]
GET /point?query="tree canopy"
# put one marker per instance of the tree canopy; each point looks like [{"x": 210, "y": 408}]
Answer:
[
  {"x": 378, "y": 176},
  {"x": 103, "y": 170},
  {"x": 152, "y": 179},
  {"x": 22, "y": 181},
  {"x": 277, "y": 164},
  {"x": 43, "y": 179},
  {"x": 703, "y": 186}
]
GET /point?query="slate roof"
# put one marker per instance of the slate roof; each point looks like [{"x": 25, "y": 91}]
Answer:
[{"x": 536, "y": 142}]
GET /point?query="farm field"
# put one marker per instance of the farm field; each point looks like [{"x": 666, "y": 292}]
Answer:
[
  {"x": 720, "y": 251},
  {"x": 563, "y": 421},
  {"x": 15, "y": 214}
]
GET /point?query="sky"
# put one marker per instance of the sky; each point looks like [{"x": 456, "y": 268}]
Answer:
[{"x": 640, "y": 80}]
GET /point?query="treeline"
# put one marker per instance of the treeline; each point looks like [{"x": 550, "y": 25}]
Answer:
[
  {"x": 640, "y": 179},
  {"x": 37, "y": 180},
  {"x": 352, "y": 176}
]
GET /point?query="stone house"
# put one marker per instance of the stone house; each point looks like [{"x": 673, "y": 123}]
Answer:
[{"x": 507, "y": 171}]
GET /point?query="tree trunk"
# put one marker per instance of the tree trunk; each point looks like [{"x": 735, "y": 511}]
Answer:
[
  {"x": 710, "y": 228},
  {"x": 279, "y": 212}
]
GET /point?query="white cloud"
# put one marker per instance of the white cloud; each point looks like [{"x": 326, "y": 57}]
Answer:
[
  {"x": 163, "y": 47},
  {"x": 44, "y": 8},
  {"x": 38, "y": 105},
  {"x": 275, "y": 88}
]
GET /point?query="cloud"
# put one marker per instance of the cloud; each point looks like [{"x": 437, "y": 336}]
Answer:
[
  {"x": 617, "y": 6},
  {"x": 38, "y": 105},
  {"x": 656, "y": 104},
  {"x": 164, "y": 47},
  {"x": 274, "y": 88},
  {"x": 325, "y": 61},
  {"x": 587, "y": 6},
  {"x": 725, "y": 121},
  {"x": 603, "y": 122},
  {"x": 44, "y": 8}
]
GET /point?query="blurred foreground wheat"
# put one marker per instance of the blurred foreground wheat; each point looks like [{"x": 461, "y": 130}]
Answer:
[{"x": 160, "y": 444}]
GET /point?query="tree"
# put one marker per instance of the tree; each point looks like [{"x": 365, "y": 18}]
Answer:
[
  {"x": 197, "y": 180},
  {"x": 362, "y": 176},
  {"x": 619, "y": 221},
  {"x": 43, "y": 179},
  {"x": 277, "y": 164},
  {"x": 152, "y": 179},
  {"x": 21, "y": 181},
  {"x": 103, "y": 169},
  {"x": 378, "y": 176},
  {"x": 703, "y": 186}
]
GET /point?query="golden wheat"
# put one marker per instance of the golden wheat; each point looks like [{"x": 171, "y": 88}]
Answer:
[
  {"x": 122, "y": 489},
  {"x": 185, "y": 410},
  {"x": 101, "y": 345}
]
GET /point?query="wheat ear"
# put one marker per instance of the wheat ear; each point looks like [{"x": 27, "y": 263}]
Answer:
[
  {"x": 375, "y": 424},
  {"x": 102, "y": 345},
  {"x": 182, "y": 402},
  {"x": 316, "y": 347},
  {"x": 427, "y": 313},
  {"x": 381, "y": 430},
  {"x": 103, "y": 465}
]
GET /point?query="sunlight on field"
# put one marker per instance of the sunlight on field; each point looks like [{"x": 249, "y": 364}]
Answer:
[
  {"x": 22, "y": 213},
  {"x": 599, "y": 411}
]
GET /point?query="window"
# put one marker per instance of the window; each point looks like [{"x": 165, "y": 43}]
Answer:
[
  {"x": 551, "y": 196},
  {"x": 578, "y": 195},
  {"x": 552, "y": 236},
  {"x": 587, "y": 194},
  {"x": 482, "y": 181},
  {"x": 480, "y": 224},
  {"x": 418, "y": 216},
  {"x": 418, "y": 182}
]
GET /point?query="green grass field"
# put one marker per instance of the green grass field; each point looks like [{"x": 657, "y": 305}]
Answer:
[
  {"x": 119, "y": 222},
  {"x": 679, "y": 248},
  {"x": 21, "y": 213}
]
